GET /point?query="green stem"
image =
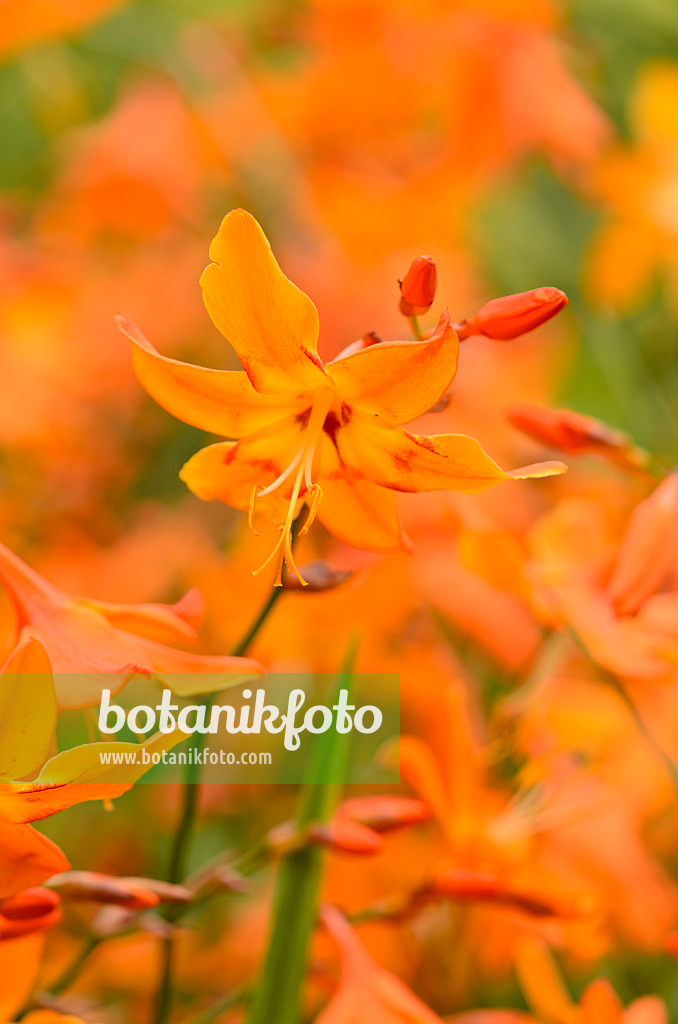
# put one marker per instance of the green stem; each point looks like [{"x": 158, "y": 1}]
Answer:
[
  {"x": 278, "y": 995},
  {"x": 179, "y": 853},
  {"x": 416, "y": 328}
]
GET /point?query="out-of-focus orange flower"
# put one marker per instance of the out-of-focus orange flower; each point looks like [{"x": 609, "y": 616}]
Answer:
[
  {"x": 29, "y": 910},
  {"x": 494, "y": 859},
  {"x": 550, "y": 1001},
  {"x": 649, "y": 550},
  {"x": 576, "y": 434},
  {"x": 637, "y": 182},
  {"x": 367, "y": 994},
  {"x": 418, "y": 287},
  {"x": 511, "y": 316},
  {"x": 301, "y": 422},
  {"x": 621, "y": 603},
  {"x": 84, "y": 637}
]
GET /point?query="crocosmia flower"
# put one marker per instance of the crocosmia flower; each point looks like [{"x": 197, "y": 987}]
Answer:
[{"x": 327, "y": 435}]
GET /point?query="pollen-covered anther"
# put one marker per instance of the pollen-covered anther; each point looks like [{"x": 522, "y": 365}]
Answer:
[{"x": 317, "y": 493}]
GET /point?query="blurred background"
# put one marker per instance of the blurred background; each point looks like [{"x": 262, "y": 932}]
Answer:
[{"x": 519, "y": 142}]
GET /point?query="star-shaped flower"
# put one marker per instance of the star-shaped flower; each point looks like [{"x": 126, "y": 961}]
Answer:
[{"x": 327, "y": 435}]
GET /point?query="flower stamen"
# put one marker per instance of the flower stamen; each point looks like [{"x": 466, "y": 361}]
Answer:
[
  {"x": 303, "y": 463},
  {"x": 317, "y": 492},
  {"x": 251, "y": 509}
]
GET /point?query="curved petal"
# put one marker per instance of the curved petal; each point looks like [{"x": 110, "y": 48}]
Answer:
[
  {"x": 186, "y": 673},
  {"x": 271, "y": 324},
  {"x": 77, "y": 775},
  {"x": 168, "y": 623},
  {"x": 27, "y": 857},
  {"x": 219, "y": 401},
  {"x": 361, "y": 514},
  {"x": 399, "y": 380},
  {"x": 394, "y": 458}
]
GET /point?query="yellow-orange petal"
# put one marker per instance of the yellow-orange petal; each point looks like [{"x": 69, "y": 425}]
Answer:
[
  {"x": 19, "y": 966},
  {"x": 167, "y": 623},
  {"x": 392, "y": 457},
  {"x": 26, "y": 857},
  {"x": 219, "y": 401},
  {"x": 271, "y": 324},
  {"x": 228, "y": 471},
  {"x": 28, "y": 711},
  {"x": 600, "y": 1004},
  {"x": 361, "y": 514},
  {"x": 399, "y": 380}
]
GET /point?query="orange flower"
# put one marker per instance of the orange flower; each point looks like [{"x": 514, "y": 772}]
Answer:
[
  {"x": 627, "y": 620},
  {"x": 599, "y": 1004},
  {"x": 367, "y": 993},
  {"x": 510, "y": 316},
  {"x": 84, "y": 637},
  {"x": 649, "y": 550},
  {"x": 325, "y": 435}
]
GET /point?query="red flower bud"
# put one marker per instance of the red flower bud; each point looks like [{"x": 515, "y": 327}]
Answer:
[
  {"x": 512, "y": 315},
  {"x": 384, "y": 813},
  {"x": 571, "y": 432},
  {"x": 28, "y": 911},
  {"x": 418, "y": 287},
  {"x": 98, "y": 888}
]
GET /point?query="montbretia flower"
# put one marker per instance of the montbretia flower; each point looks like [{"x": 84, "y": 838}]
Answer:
[
  {"x": 84, "y": 638},
  {"x": 326, "y": 435},
  {"x": 367, "y": 992}
]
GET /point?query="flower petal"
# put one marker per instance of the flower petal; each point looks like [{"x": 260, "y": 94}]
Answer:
[
  {"x": 219, "y": 401},
  {"x": 168, "y": 623},
  {"x": 271, "y": 324},
  {"x": 361, "y": 514},
  {"x": 27, "y": 857},
  {"x": 394, "y": 458},
  {"x": 28, "y": 711},
  {"x": 77, "y": 775},
  {"x": 229, "y": 471},
  {"x": 399, "y": 380}
]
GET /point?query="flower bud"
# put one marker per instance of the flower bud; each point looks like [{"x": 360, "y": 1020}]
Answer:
[
  {"x": 94, "y": 887},
  {"x": 418, "y": 287},
  {"x": 384, "y": 813},
  {"x": 319, "y": 576},
  {"x": 30, "y": 910},
  {"x": 512, "y": 315},
  {"x": 576, "y": 434}
]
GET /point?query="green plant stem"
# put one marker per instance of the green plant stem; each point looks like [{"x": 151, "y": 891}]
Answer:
[
  {"x": 416, "y": 328},
  {"x": 279, "y": 993},
  {"x": 179, "y": 853}
]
